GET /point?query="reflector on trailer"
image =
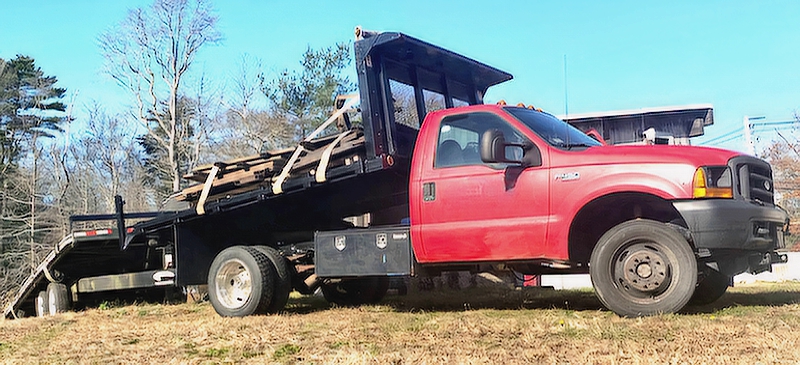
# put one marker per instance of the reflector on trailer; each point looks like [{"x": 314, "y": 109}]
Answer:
[{"x": 98, "y": 232}]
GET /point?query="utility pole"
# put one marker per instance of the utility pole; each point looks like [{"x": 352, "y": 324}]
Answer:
[
  {"x": 748, "y": 137},
  {"x": 748, "y": 134}
]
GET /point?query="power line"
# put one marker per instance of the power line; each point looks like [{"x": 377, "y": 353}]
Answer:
[
  {"x": 722, "y": 136},
  {"x": 760, "y": 124},
  {"x": 737, "y": 136}
]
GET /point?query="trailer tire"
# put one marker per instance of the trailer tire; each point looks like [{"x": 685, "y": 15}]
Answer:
[
  {"x": 643, "y": 267},
  {"x": 358, "y": 291},
  {"x": 42, "y": 309},
  {"x": 711, "y": 288},
  {"x": 240, "y": 282},
  {"x": 283, "y": 278},
  {"x": 57, "y": 298}
]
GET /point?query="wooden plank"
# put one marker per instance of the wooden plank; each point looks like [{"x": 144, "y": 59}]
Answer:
[
  {"x": 241, "y": 177},
  {"x": 238, "y": 163},
  {"x": 253, "y": 172},
  {"x": 276, "y": 161}
]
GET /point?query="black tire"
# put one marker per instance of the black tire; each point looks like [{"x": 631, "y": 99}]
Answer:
[
  {"x": 358, "y": 291},
  {"x": 42, "y": 309},
  {"x": 713, "y": 285},
  {"x": 240, "y": 282},
  {"x": 57, "y": 298},
  {"x": 283, "y": 278},
  {"x": 643, "y": 268}
]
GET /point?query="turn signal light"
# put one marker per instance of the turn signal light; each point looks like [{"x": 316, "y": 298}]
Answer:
[{"x": 714, "y": 183}]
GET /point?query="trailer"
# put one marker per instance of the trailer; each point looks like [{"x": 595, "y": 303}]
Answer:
[{"x": 449, "y": 184}]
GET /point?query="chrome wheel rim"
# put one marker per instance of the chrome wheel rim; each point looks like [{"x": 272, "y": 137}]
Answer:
[{"x": 233, "y": 284}]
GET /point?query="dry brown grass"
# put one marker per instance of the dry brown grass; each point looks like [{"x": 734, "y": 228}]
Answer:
[{"x": 752, "y": 324}]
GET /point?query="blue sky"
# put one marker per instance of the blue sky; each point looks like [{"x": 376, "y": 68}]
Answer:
[{"x": 740, "y": 56}]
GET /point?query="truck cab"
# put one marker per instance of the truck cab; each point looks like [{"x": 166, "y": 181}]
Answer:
[{"x": 656, "y": 226}]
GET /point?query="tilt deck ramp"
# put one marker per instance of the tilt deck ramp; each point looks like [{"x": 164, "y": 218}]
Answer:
[{"x": 91, "y": 256}]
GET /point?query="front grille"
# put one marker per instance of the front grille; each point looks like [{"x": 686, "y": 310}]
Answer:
[{"x": 754, "y": 178}]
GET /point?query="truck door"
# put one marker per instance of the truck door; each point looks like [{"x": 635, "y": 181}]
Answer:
[{"x": 476, "y": 211}]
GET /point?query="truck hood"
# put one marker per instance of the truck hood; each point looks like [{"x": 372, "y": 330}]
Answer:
[{"x": 652, "y": 154}]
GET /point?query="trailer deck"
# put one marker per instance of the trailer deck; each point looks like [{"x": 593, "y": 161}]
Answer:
[{"x": 236, "y": 192}]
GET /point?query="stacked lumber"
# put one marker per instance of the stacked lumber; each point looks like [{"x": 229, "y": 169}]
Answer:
[{"x": 259, "y": 171}]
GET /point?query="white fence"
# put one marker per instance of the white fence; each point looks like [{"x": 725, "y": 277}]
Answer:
[{"x": 780, "y": 272}]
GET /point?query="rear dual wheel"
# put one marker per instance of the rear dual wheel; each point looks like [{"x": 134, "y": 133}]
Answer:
[
  {"x": 283, "y": 278},
  {"x": 245, "y": 280},
  {"x": 642, "y": 268}
]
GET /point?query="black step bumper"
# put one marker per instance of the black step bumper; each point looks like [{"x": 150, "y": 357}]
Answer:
[{"x": 734, "y": 224}]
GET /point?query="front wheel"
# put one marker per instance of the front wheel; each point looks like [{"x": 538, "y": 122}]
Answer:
[{"x": 642, "y": 268}]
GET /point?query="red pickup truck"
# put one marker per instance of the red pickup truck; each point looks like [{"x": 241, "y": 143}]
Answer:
[{"x": 656, "y": 226}]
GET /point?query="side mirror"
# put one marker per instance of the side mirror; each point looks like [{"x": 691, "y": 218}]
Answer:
[{"x": 493, "y": 147}]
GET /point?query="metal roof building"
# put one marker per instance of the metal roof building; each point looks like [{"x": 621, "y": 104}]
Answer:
[{"x": 675, "y": 123}]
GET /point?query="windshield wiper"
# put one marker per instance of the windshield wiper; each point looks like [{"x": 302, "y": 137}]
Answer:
[{"x": 570, "y": 146}]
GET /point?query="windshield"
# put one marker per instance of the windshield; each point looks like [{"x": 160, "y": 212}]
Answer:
[{"x": 554, "y": 131}]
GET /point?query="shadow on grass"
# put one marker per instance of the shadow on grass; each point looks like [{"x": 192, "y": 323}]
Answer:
[
  {"x": 469, "y": 299},
  {"x": 766, "y": 298},
  {"x": 543, "y": 299}
]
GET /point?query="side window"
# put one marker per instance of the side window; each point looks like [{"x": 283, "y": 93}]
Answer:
[
  {"x": 405, "y": 105},
  {"x": 433, "y": 100},
  {"x": 458, "y": 103},
  {"x": 454, "y": 142},
  {"x": 459, "y": 138}
]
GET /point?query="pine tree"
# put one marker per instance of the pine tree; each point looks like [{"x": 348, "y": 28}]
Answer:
[
  {"x": 306, "y": 98},
  {"x": 31, "y": 111},
  {"x": 28, "y": 99}
]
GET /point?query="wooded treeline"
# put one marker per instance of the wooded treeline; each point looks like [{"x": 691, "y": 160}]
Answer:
[{"x": 53, "y": 164}]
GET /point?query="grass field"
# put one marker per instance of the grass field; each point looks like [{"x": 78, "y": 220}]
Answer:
[{"x": 753, "y": 324}]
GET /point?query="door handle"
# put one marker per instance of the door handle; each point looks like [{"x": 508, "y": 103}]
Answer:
[{"x": 429, "y": 191}]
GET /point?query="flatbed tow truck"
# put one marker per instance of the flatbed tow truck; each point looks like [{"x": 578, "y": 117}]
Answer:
[{"x": 450, "y": 184}]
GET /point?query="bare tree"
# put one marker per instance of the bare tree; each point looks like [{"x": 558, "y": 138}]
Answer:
[
  {"x": 149, "y": 54},
  {"x": 248, "y": 125}
]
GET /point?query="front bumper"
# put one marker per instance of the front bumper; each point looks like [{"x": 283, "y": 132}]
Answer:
[{"x": 734, "y": 224}]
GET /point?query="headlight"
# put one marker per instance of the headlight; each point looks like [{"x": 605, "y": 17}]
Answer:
[{"x": 712, "y": 182}]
